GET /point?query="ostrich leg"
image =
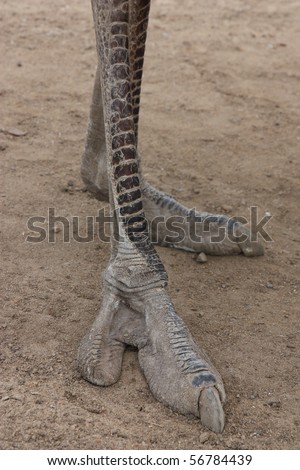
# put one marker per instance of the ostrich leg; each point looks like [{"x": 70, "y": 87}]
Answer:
[
  {"x": 157, "y": 205},
  {"x": 136, "y": 309}
]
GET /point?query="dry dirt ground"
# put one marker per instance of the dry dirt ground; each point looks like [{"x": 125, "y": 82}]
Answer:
[{"x": 220, "y": 130}]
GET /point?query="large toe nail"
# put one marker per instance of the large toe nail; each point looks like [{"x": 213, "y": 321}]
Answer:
[
  {"x": 248, "y": 246},
  {"x": 211, "y": 410}
]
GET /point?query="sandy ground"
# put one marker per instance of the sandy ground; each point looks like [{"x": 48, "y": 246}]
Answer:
[{"x": 220, "y": 129}]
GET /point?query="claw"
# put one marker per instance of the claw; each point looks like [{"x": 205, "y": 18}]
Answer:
[
  {"x": 210, "y": 410},
  {"x": 249, "y": 247},
  {"x": 175, "y": 368}
]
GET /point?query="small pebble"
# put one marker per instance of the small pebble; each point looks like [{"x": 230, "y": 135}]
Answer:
[
  {"x": 226, "y": 208},
  {"x": 274, "y": 403},
  {"x": 16, "y": 397},
  {"x": 204, "y": 437},
  {"x": 269, "y": 285},
  {"x": 201, "y": 258},
  {"x": 71, "y": 183},
  {"x": 57, "y": 229}
]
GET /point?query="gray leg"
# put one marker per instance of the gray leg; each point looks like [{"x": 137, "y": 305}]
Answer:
[
  {"x": 93, "y": 163},
  {"x": 157, "y": 205},
  {"x": 136, "y": 309}
]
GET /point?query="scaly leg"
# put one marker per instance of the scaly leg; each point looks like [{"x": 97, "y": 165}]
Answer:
[
  {"x": 200, "y": 231},
  {"x": 136, "y": 309}
]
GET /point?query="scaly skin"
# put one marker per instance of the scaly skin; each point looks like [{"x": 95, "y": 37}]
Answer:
[
  {"x": 136, "y": 309},
  {"x": 157, "y": 204}
]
